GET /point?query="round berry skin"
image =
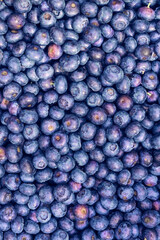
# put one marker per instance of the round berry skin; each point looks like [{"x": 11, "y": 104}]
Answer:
[{"x": 79, "y": 119}]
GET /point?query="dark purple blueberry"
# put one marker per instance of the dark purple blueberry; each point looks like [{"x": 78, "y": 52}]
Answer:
[
  {"x": 113, "y": 74},
  {"x": 57, "y": 5},
  {"x": 24, "y": 235},
  {"x": 42, "y": 236},
  {"x": 58, "y": 35},
  {"x": 33, "y": 202},
  {"x": 119, "y": 21},
  {"x": 10, "y": 235},
  {"x": 17, "y": 225},
  {"x": 41, "y": 37},
  {"x": 12, "y": 91},
  {"x": 30, "y": 146},
  {"x": 8, "y": 213},
  {"x": 150, "y": 218},
  {"x": 60, "y": 235},
  {"x": 99, "y": 223},
  {"x": 109, "y": 203},
  {"x": 28, "y": 116},
  {"x": 146, "y": 13},
  {"x": 16, "y": 21},
  {"x": 58, "y": 209},
  {"x": 88, "y": 131},
  {"x": 79, "y": 23},
  {"x": 80, "y": 109},
  {"x": 107, "y": 31},
  {"x": 140, "y": 26},
  {"x": 78, "y": 175},
  {"x": 109, "y": 45},
  {"x": 31, "y": 227},
  {"x": 46, "y": 194},
  {"x": 72, "y": 8},
  {"x": 79, "y": 91},
  {"x": 69, "y": 63},
  {"x": 43, "y": 175},
  {"x": 124, "y": 231},
  {"x": 49, "y": 227},
  {"x": 59, "y": 140},
  {"x": 43, "y": 214},
  {"x": 105, "y": 15},
  {"x": 91, "y": 34},
  {"x": 61, "y": 193},
  {"x": 47, "y": 19}
]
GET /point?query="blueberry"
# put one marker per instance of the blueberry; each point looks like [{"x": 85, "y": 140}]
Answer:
[
  {"x": 115, "y": 219},
  {"x": 58, "y": 209},
  {"x": 66, "y": 164},
  {"x": 20, "y": 198},
  {"x": 43, "y": 215},
  {"x": 66, "y": 224},
  {"x": 60, "y": 235},
  {"x": 31, "y": 227},
  {"x": 46, "y": 195},
  {"x": 80, "y": 109},
  {"x": 8, "y": 213},
  {"x": 42, "y": 236},
  {"x": 10, "y": 234},
  {"x": 88, "y": 131},
  {"x": 21, "y": 79},
  {"x": 26, "y": 62},
  {"x": 81, "y": 211},
  {"x": 62, "y": 193},
  {"x": 45, "y": 71},
  {"x": 43, "y": 175},
  {"x": 24, "y": 235},
  {"x": 79, "y": 91},
  {"x": 146, "y": 13},
  {"x": 59, "y": 140},
  {"x": 12, "y": 91},
  {"x": 27, "y": 189},
  {"x": 154, "y": 112},
  {"x": 69, "y": 63},
  {"x": 124, "y": 231},
  {"x": 58, "y": 35},
  {"x": 28, "y": 116},
  {"x": 22, "y": 210},
  {"x": 49, "y": 126},
  {"x": 107, "y": 31},
  {"x": 41, "y": 37},
  {"x": 79, "y": 23},
  {"x": 54, "y": 51},
  {"x": 5, "y": 226},
  {"x": 109, "y": 203},
  {"x": 79, "y": 133},
  {"x": 72, "y": 8},
  {"x": 91, "y": 34},
  {"x": 150, "y": 219},
  {"x": 33, "y": 202},
  {"x": 49, "y": 227},
  {"x": 106, "y": 189},
  {"x": 17, "y": 225},
  {"x": 113, "y": 74},
  {"x": 99, "y": 223},
  {"x": 57, "y": 5},
  {"x": 119, "y": 21},
  {"x": 105, "y": 15},
  {"x": 78, "y": 175},
  {"x": 47, "y": 19}
]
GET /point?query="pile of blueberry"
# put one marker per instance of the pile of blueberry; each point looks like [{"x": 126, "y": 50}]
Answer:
[{"x": 79, "y": 120}]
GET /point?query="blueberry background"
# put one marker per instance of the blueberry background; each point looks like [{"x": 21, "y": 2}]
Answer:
[{"x": 79, "y": 120}]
